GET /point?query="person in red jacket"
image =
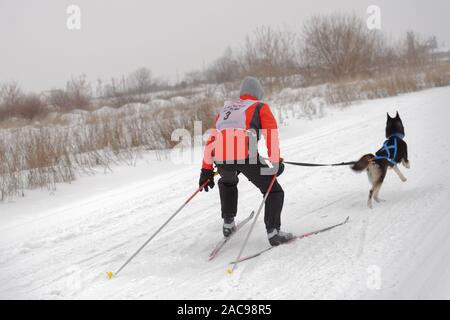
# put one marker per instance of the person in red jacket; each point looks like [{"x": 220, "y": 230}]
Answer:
[{"x": 233, "y": 147}]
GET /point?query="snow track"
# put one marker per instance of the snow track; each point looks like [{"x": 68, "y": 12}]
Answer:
[{"x": 400, "y": 249}]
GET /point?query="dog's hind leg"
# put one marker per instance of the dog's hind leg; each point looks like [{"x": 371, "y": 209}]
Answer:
[
  {"x": 373, "y": 194},
  {"x": 370, "y": 175},
  {"x": 376, "y": 176},
  {"x": 376, "y": 193},
  {"x": 369, "y": 202},
  {"x": 378, "y": 184}
]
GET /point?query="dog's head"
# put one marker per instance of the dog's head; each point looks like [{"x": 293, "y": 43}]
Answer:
[{"x": 394, "y": 125}]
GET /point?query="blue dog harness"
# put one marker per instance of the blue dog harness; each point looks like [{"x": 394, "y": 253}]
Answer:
[{"x": 390, "y": 149}]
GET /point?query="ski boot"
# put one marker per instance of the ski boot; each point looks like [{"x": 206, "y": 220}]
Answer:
[
  {"x": 277, "y": 237},
  {"x": 229, "y": 227}
]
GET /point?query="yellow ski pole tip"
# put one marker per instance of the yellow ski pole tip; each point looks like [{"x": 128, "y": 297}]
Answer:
[{"x": 110, "y": 275}]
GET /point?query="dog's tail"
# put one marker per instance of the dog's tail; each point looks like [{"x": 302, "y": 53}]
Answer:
[{"x": 363, "y": 163}]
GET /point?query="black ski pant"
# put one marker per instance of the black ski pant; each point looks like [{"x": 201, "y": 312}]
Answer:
[{"x": 229, "y": 192}]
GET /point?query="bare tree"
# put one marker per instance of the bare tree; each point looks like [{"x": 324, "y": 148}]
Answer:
[
  {"x": 59, "y": 98},
  {"x": 224, "y": 69},
  {"x": 14, "y": 103},
  {"x": 79, "y": 92},
  {"x": 99, "y": 91},
  {"x": 419, "y": 49},
  {"x": 339, "y": 45},
  {"x": 194, "y": 78},
  {"x": 10, "y": 97},
  {"x": 77, "y": 95},
  {"x": 269, "y": 53},
  {"x": 140, "y": 81},
  {"x": 30, "y": 106}
]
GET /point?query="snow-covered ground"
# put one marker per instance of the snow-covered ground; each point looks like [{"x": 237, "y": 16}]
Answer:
[{"x": 59, "y": 246}]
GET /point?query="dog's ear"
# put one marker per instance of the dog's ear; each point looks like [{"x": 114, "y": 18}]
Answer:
[
  {"x": 397, "y": 116},
  {"x": 388, "y": 116}
]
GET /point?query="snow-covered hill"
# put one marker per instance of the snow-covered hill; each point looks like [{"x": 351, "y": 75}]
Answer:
[{"x": 60, "y": 246}]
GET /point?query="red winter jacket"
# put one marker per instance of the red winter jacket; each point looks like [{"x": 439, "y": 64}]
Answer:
[{"x": 229, "y": 138}]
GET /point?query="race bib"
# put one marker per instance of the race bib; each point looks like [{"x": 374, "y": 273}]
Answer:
[{"x": 232, "y": 115}]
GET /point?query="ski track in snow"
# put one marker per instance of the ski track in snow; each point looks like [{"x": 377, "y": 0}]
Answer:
[{"x": 65, "y": 252}]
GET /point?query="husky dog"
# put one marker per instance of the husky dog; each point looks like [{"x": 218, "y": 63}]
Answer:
[{"x": 394, "y": 151}]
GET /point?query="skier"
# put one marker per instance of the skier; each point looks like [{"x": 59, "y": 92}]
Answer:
[{"x": 232, "y": 146}]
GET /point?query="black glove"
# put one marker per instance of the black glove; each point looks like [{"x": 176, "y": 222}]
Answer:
[
  {"x": 280, "y": 168},
  {"x": 204, "y": 176},
  {"x": 272, "y": 170}
]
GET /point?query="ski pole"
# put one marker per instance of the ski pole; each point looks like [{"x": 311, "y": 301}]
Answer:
[
  {"x": 111, "y": 274},
  {"x": 231, "y": 269}
]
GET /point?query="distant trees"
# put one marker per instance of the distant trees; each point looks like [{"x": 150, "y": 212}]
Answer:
[
  {"x": 418, "y": 49},
  {"x": 77, "y": 95},
  {"x": 339, "y": 45},
  {"x": 326, "y": 48},
  {"x": 224, "y": 69},
  {"x": 10, "y": 94},
  {"x": 140, "y": 81},
  {"x": 269, "y": 52},
  {"x": 31, "y": 106},
  {"x": 14, "y": 103}
]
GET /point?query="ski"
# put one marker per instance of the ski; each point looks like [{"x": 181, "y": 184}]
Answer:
[
  {"x": 294, "y": 239},
  {"x": 222, "y": 242}
]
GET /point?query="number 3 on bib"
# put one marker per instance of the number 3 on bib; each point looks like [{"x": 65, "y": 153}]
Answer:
[
  {"x": 232, "y": 115},
  {"x": 227, "y": 115}
]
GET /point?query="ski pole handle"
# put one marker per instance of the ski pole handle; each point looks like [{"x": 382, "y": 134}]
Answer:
[{"x": 110, "y": 274}]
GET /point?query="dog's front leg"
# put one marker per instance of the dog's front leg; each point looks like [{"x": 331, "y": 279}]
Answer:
[
  {"x": 406, "y": 164},
  {"x": 399, "y": 173}
]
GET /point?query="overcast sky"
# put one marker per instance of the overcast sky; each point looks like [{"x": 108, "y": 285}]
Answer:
[{"x": 168, "y": 36}]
